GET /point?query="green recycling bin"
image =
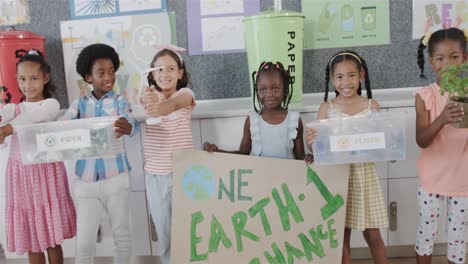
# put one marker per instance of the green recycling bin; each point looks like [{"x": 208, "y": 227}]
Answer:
[{"x": 276, "y": 36}]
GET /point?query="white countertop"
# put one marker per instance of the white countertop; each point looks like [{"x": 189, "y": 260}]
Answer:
[{"x": 387, "y": 98}]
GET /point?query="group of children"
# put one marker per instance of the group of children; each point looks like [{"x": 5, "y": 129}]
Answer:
[{"x": 40, "y": 213}]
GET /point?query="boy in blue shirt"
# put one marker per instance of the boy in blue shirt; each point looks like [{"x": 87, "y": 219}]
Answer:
[{"x": 102, "y": 184}]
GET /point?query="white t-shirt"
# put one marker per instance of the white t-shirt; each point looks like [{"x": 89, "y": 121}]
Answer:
[{"x": 31, "y": 112}]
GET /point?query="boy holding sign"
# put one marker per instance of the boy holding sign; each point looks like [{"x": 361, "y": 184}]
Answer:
[{"x": 102, "y": 183}]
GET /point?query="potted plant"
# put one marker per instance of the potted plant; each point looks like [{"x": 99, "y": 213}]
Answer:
[{"x": 454, "y": 81}]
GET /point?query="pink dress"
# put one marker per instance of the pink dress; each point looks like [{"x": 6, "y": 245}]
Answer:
[
  {"x": 443, "y": 166},
  {"x": 39, "y": 209}
]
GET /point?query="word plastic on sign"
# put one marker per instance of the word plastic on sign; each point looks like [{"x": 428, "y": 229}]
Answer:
[{"x": 378, "y": 136}]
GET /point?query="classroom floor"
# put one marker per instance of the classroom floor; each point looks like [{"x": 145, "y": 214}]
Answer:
[
  {"x": 155, "y": 260},
  {"x": 435, "y": 260}
]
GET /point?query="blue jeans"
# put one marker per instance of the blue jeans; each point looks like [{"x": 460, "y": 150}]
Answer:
[{"x": 159, "y": 193}]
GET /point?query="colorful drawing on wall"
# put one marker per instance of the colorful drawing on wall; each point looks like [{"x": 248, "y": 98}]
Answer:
[
  {"x": 14, "y": 12},
  {"x": 133, "y": 37},
  {"x": 332, "y": 23},
  {"x": 102, "y": 8},
  {"x": 94, "y": 7},
  {"x": 242, "y": 209},
  {"x": 432, "y": 15},
  {"x": 215, "y": 26}
]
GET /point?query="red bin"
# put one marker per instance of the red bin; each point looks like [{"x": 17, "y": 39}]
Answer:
[{"x": 10, "y": 42}]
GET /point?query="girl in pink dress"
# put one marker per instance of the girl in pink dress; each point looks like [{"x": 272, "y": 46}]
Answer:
[
  {"x": 39, "y": 209},
  {"x": 443, "y": 162}
]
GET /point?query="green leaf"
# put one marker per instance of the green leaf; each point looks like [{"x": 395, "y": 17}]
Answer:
[{"x": 454, "y": 80}]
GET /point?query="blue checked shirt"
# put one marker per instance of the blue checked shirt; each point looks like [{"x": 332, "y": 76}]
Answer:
[{"x": 111, "y": 104}]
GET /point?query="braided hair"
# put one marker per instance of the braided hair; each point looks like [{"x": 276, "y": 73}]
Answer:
[
  {"x": 285, "y": 77},
  {"x": 360, "y": 63},
  {"x": 437, "y": 37}
]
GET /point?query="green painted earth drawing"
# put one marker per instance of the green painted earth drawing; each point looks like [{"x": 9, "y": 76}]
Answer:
[{"x": 198, "y": 183}]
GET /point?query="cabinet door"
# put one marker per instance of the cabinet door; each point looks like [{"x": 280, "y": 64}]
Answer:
[
  {"x": 134, "y": 149},
  {"x": 403, "y": 192},
  {"x": 357, "y": 238},
  {"x": 196, "y": 134},
  {"x": 406, "y": 168},
  {"x": 69, "y": 248},
  {"x": 226, "y": 133}
]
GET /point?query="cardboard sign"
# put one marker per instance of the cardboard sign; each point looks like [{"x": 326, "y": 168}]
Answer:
[{"x": 243, "y": 209}]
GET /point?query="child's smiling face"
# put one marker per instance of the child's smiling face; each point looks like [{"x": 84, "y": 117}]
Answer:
[
  {"x": 31, "y": 80},
  {"x": 270, "y": 90},
  {"x": 168, "y": 76},
  {"x": 346, "y": 78},
  {"x": 102, "y": 76}
]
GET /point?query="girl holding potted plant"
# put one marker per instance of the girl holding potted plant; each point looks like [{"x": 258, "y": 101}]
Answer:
[{"x": 443, "y": 162}]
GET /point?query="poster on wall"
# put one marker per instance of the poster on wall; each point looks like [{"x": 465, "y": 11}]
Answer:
[
  {"x": 13, "y": 12},
  {"x": 432, "y": 15},
  {"x": 243, "y": 209},
  {"x": 103, "y": 8},
  {"x": 333, "y": 23},
  {"x": 215, "y": 26},
  {"x": 133, "y": 37}
]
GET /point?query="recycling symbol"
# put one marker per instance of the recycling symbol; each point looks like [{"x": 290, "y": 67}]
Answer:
[
  {"x": 50, "y": 141},
  {"x": 147, "y": 37},
  {"x": 369, "y": 19}
]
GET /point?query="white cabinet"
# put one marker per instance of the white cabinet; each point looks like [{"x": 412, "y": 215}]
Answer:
[
  {"x": 196, "y": 134},
  {"x": 406, "y": 168},
  {"x": 134, "y": 151},
  {"x": 403, "y": 192},
  {"x": 226, "y": 133},
  {"x": 403, "y": 185}
]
